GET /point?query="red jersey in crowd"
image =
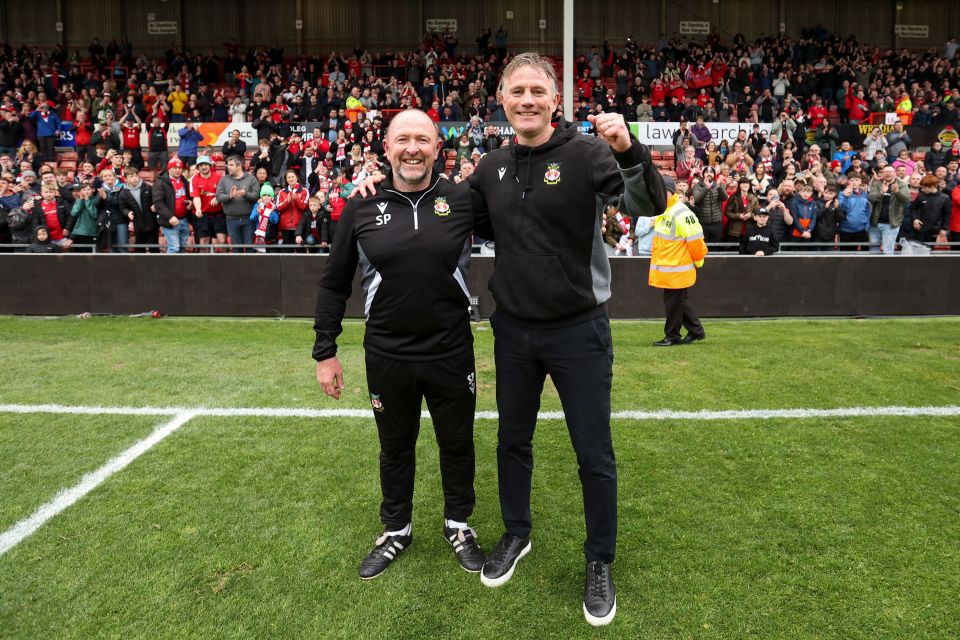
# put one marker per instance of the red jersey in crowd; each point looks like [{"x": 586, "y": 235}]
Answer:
[
  {"x": 179, "y": 196},
  {"x": 817, "y": 115},
  {"x": 336, "y": 202},
  {"x": 206, "y": 190},
  {"x": 52, "y": 221},
  {"x": 131, "y": 137}
]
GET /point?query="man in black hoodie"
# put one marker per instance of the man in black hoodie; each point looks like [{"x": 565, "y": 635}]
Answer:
[{"x": 551, "y": 282}]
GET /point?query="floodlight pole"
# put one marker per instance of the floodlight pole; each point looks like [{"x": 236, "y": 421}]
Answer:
[{"x": 568, "y": 59}]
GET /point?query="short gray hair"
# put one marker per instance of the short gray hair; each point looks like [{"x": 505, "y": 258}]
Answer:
[{"x": 530, "y": 59}]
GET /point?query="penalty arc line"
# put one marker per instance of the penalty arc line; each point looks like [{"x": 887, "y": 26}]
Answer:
[{"x": 67, "y": 497}]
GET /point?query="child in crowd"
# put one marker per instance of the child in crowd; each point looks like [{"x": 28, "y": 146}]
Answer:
[
  {"x": 804, "y": 209},
  {"x": 314, "y": 227},
  {"x": 759, "y": 239},
  {"x": 263, "y": 214}
]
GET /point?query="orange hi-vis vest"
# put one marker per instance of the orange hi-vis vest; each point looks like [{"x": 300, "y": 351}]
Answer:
[{"x": 678, "y": 247}]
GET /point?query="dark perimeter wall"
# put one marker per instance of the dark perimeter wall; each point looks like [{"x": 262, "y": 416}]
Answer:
[{"x": 268, "y": 285}]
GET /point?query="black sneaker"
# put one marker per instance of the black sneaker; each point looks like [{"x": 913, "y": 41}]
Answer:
[
  {"x": 599, "y": 596},
  {"x": 385, "y": 550},
  {"x": 501, "y": 562},
  {"x": 464, "y": 543}
]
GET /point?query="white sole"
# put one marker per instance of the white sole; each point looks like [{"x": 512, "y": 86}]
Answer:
[
  {"x": 599, "y": 622},
  {"x": 496, "y": 582}
]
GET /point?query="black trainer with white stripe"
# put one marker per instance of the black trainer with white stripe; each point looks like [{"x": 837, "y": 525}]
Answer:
[
  {"x": 464, "y": 543},
  {"x": 385, "y": 550}
]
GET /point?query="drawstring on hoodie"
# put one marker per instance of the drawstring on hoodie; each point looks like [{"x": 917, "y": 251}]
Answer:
[{"x": 516, "y": 166}]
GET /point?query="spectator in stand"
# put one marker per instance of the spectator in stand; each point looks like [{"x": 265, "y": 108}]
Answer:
[
  {"x": 103, "y": 139},
  {"x": 844, "y": 156},
  {"x": 291, "y": 204},
  {"x": 828, "y": 224},
  {"x": 234, "y": 146},
  {"x": 82, "y": 226},
  {"x": 118, "y": 238},
  {"x": 136, "y": 205},
  {"x": 856, "y": 209},
  {"x": 47, "y": 123},
  {"x": 190, "y": 139},
  {"x": 314, "y": 229},
  {"x": 688, "y": 165},
  {"x": 777, "y": 208},
  {"x": 875, "y": 142},
  {"x": 211, "y": 225},
  {"x": 741, "y": 205},
  {"x": 178, "y": 101},
  {"x": 804, "y": 210},
  {"x": 237, "y": 192},
  {"x": 172, "y": 203},
  {"x": 927, "y": 219},
  {"x": 954, "y": 215},
  {"x": 708, "y": 201},
  {"x": 935, "y": 157},
  {"x": 701, "y": 137},
  {"x": 263, "y": 216},
  {"x": 903, "y": 159},
  {"x": 888, "y": 197},
  {"x": 897, "y": 140},
  {"x": 53, "y": 213},
  {"x": 158, "y": 154},
  {"x": 130, "y": 134},
  {"x": 738, "y": 159},
  {"x": 857, "y": 107},
  {"x": 11, "y": 131},
  {"x": 759, "y": 239},
  {"x": 827, "y": 138}
]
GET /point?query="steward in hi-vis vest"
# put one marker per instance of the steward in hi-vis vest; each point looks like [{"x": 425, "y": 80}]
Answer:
[{"x": 678, "y": 251}]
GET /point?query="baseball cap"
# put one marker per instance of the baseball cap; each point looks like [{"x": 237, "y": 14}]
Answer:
[
  {"x": 175, "y": 162},
  {"x": 761, "y": 212},
  {"x": 204, "y": 160}
]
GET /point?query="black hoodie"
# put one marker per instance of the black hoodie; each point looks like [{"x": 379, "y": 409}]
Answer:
[{"x": 545, "y": 204}]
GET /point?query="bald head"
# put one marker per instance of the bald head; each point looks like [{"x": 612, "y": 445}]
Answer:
[
  {"x": 411, "y": 145},
  {"x": 412, "y": 118}
]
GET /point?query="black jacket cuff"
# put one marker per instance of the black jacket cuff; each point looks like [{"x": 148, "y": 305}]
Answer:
[{"x": 637, "y": 154}]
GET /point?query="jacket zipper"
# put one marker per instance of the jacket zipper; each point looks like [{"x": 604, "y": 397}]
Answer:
[{"x": 416, "y": 220}]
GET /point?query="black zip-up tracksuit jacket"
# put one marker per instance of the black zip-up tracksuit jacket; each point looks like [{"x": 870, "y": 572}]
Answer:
[
  {"x": 413, "y": 250},
  {"x": 545, "y": 204}
]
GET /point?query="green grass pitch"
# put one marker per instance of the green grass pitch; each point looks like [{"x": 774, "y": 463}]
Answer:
[{"x": 254, "y": 527}]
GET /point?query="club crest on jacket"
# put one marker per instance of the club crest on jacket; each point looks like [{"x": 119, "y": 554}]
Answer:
[
  {"x": 440, "y": 206},
  {"x": 375, "y": 403},
  {"x": 552, "y": 176}
]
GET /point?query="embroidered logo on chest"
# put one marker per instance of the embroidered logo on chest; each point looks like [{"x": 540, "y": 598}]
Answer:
[
  {"x": 552, "y": 176},
  {"x": 440, "y": 207}
]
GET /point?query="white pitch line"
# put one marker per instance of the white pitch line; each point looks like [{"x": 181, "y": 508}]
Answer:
[
  {"x": 68, "y": 409},
  {"x": 662, "y": 414},
  {"x": 67, "y": 497}
]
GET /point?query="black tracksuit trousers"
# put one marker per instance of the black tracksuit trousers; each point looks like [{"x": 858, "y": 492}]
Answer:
[
  {"x": 397, "y": 389},
  {"x": 579, "y": 360}
]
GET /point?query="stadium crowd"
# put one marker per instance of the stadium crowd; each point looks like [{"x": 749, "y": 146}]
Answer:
[{"x": 112, "y": 191}]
